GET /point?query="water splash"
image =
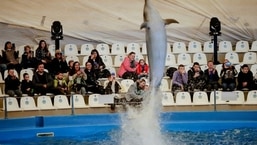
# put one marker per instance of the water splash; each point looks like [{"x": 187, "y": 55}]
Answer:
[{"x": 141, "y": 125}]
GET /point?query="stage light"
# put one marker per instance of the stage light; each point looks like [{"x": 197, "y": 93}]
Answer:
[
  {"x": 56, "y": 31},
  {"x": 215, "y": 26}
]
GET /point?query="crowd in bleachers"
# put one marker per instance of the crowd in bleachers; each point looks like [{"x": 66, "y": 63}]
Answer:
[{"x": 42, "y": 70}]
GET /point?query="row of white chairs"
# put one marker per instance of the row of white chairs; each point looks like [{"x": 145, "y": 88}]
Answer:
[
  {"x": 97, "y": 100},
  {"x": 59, "y": 102},
  {"x": 177, "y": 47},
  {"x": 201, "y": 98}
]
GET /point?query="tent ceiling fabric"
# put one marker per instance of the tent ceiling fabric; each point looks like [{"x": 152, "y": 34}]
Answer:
[{"x": 110, "y": 21}]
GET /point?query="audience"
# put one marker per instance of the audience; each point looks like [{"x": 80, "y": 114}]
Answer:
[
  {"x": 60, "y": 86},
  {"x": 128, "y": 68},
  {"x": 245, "y": 78},
  {"x": 27, "y": 86},
  {"x": 11, "y": 57},
  {"x": 59, "y": 64},
  {"x": 91, "y": 81},
  {"x": 28, "y": 60},
  {"x": 196, "y": 78},
  {"x": 137, "y": 91},
  {"x": 228, "y": 76},
  {"x": 142, "y": 69},
  {"x": 179, "y": 79},
  {"x": 12, "y": 84},
  {"x": 42, "y": 80},
  {"x": 212, "y": 77},
  {"x": 112, "y": 85},
  {"x": 77, "y": 79},
  {"x": 43, "y": 55}
]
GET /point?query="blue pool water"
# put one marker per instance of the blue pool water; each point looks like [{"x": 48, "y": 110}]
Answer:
[{"x": 178, "y": 128}]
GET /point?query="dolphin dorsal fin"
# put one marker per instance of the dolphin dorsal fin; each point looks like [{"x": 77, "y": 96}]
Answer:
[
  {"x": 143, "y": 25},
  {"x": 169, "y": 21}
]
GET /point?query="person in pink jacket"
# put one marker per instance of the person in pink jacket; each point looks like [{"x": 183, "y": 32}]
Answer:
[{"x": 127, "y": 69}]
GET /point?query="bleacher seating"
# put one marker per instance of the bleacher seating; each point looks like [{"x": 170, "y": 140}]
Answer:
[
  {"x": 70, "y": 49},
  {"x": 44, "y": 103},
  {"x": 240, "y": 98},
  {"x": 72, "y": 57},
  {"x": 133, "y": 47},
  {"x": 170, "y": 60},
  {"x": 107, "y": 60},
  {"x": 242, "y": 46},
  {"x": 93, "y": 101},
  {"x": 232, "y": 57},
  {"x": 254, "y": 46},
  {"x": 28, "y": 103},
  {"x": 179, "y": 47},
  {"x": 125, "y": 84},
  {"x": 251, "y": 97},
  {"x": 167, "y": 99},
  {"x": 200, "y": 58},
  {"x": 118, "y": 48},
  {"x": 208, "y": 47},
  {"x": 86, "y": 49},
  {"x": 78, "y": 101},
  {"x": 29, "y": 71},
  {"x": 218, "y": 96},
  {"x": 249, "y": 58},
  {"x": 184, "y": 58},
  {"x": 200, "y": 98},
  {"x": 183, "y": 98},
  {"x": 194, "y": 47},
  {"x": 103, "y": 49},
  {"x": 225, "y": 46},
  {"x": 61, "y": 102},
  {"x": 51, "y": 49},
  {"x": 118, "y": 59},
  {"x": 12, "y": 104}
]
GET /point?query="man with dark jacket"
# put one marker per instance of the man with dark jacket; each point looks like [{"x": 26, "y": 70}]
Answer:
[{"x": 42, "y": 80}]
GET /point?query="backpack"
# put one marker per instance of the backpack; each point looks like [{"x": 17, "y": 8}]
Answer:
[{"x": 170, "y": 71}]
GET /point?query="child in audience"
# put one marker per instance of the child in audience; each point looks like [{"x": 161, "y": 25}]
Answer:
[
  {"x": 142, "y": 69},
  {"x": 60, "y": 85},
  {"x": 27, "y": 85},
  {"x": 12, "y": 84}
]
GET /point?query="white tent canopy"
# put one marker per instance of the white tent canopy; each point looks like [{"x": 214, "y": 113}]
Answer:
[{"x": 110, "y": 21}]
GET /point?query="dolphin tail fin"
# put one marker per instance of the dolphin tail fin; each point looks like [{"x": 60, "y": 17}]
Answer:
[{"x": 169, "y": 21}]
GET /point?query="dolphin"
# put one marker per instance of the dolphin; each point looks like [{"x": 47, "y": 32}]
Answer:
[{"x": 156, "y": 42}]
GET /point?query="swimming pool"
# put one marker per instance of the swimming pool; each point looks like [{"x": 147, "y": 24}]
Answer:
[{"x": 230, "y": 127}]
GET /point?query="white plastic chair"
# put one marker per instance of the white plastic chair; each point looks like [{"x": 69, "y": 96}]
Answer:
[
  {"x": 21, "y": 50},
  {"x": 218, "y": 98},
  {"x": 84, "y": 60},
  {"x": 125, "y": 84},
  {"x": 200, "y": 98},
  {"x": 194, "y": 47},
  {"x": 12, "y": 104},
  {"x": 240, "y": 98},
  {"x": 103, "y": 49},
  {"x": 118, "y": 48},
  {"x": 29, "y": 71},
  {"x": 72, "y": 57},
  {"x": 61, "y": 102},
  {"x": 200, "y": 58},
  {"x": 254, "y": 69},
  {"x": 45, "y": 103},
  {"x": 208, "y": 47},
  {"x": 70, "y": 49},
  {"x": 78, "y": 101},
  {"x": 118, "y": 59},
  {"x": 51, "y": 49},
  {"x": 251, "y": 97},
  {"x": 86, "y": 49},
  {"x": 184, "y": 58},
  {"x": 218, "y": 68},
  {"x": 254, "y": 46},
  {"x": 183, "y": 98},
  {"x": 93, "y": 101},
  {"x": 225, "y": 46},
  {"x": 133, "y": 47},
  {"x": 242, "y": 46},
  {"x": 170, "y": 59},
  {"x": 165, "y": 85},
  {"x": 107, "y": 59},
  {"x": 249, "y": 58},
  {"x": 179, "y": 47},
  {"x": 232, "y": 57},
  {"x": 138, "y": 56},
  {"x": 167, "y": 99},
  {"x": 28, "y": 103}
]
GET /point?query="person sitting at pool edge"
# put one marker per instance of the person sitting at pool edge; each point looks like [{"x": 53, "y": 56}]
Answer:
[{"x": 137, "y": 91}]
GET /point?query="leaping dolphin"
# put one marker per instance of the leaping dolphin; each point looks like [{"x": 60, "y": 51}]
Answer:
[{"x": 156, "y": 42}]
